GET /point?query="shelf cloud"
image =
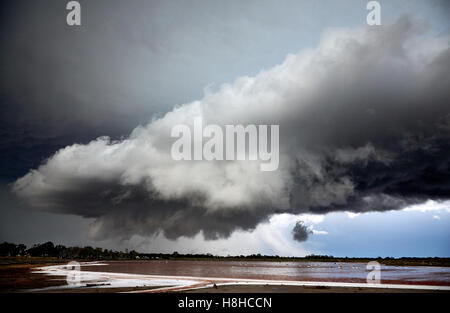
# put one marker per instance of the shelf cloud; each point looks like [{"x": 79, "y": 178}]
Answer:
[{"x": 364, "y": 126}]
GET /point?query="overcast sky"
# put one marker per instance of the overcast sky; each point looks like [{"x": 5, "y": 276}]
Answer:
[{"x": 363, "y": 114}]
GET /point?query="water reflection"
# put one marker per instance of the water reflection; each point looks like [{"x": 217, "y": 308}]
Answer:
[{"x": 304, "y": 271}]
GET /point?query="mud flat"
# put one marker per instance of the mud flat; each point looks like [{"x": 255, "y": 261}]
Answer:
[
  {"x": 21, "y": 277},
  {"x": 93, "y": 277},
  {"x": 207, "y": 276}
]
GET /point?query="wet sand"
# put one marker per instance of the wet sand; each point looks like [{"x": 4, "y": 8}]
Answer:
[{"x": 20, "y": 278}]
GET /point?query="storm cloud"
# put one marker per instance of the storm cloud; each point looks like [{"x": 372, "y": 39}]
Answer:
[
  {"x": 364, "y": 126},
  {"x": 300, "y": 232}
]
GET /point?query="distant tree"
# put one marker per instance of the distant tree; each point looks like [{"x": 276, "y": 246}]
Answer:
[
  {"x": 43, "y": 250},
  {"x": 21, "y": 249},
  {"x": 11, "y": 249},
  {"x": 61, "y": 251}
]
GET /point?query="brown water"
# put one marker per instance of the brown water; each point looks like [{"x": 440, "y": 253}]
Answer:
[{"x": 301, "y": 271}]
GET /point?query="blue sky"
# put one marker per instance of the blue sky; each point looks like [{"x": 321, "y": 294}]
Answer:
[{"x": 394, "y": 233}]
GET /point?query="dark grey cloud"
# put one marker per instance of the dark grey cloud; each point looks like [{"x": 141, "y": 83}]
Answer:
[
  {"x": 130, "y": 62},
  {"x": 365, "y": 126},
  {"x": 300, "y": 232},
  {"x": 19, "y": 224},
  {"x": 127, "y": 63}
]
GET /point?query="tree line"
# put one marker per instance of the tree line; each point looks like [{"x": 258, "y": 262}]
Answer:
[{"x": 49, "y": 249}]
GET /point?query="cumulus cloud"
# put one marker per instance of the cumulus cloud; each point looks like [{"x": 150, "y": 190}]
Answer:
[
  {"x": 430, "y": 205},
  {"x": 319, "y": 232},
  {"x": 364, "y": 126},
  {"x": 352, "y": 215}
]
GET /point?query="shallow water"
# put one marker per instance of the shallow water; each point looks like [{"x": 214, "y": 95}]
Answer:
[{"x": 301, "y": 271}]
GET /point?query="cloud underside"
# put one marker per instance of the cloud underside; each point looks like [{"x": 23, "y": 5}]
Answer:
[{"x": 364, "y": 126}]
